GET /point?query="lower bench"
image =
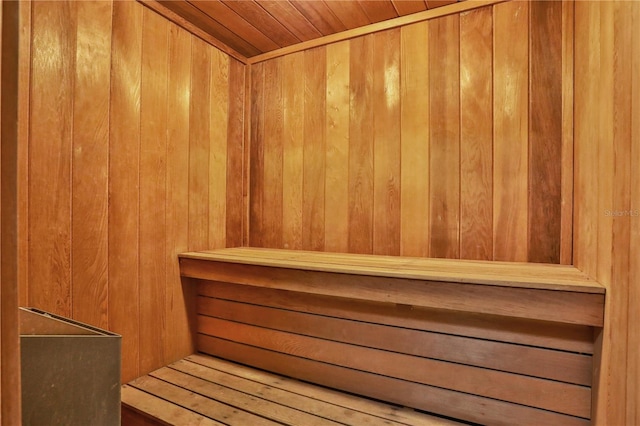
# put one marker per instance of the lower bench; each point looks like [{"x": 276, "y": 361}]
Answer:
[{"x": 202, "y": 390}]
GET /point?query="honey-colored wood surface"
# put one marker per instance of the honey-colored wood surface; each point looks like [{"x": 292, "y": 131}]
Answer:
[
  {"x": 134, "y": 155},
  {"x": 232, "y": 394},
  {"x": 442, "y": 158},
  {"x": 606, "y": 141},
  {"x": 323, "y": 340},
  {"x": 10, "y": 401}
]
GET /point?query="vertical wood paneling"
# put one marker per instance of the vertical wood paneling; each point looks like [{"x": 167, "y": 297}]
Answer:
[
  {"x": 566, "y": 231},
  {"x": 235, "y": 147},
  {"x": 293, "y": 147},
  {"x": 177, "y": 341},
  {"x": 124, "y": 146},
  {"x": 444, "y": 111},
  {"x": 50, "y": 146},
  {"x": 153, "y": 166},
  {"x": 90, "y": 182},
  {"x": 633, "y": 366},
  {"x": 313, "y": 204},
  {"x": 272, "y": 151},
  {"x": 386, "y": 116},
  {"x": 218, "y": 128},
  {"x": 437, "y": 154},
  {"x": 337, "y": 158},
  {"x": 510, "y": 132},
  {"x": 476, "y": 134},
  {"x": 199, "y": 126},
  {"x": 256, "y": 160},
  {"x": 414, "y": 181},
  {"x": 545, "y": 131},
  {"x": 361, "y": 146},
  {"x": 10, "y": 402},
  {"x": 127, "y": 101}
]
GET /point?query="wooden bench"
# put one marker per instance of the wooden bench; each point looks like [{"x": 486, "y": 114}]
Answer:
[{"x": 484, "y": 342}]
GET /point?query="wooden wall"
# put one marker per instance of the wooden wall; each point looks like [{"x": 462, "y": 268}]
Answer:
[
  {"x": 10, "y": 408},
  {"x": 134, "y": 154},
  {"x": 607, "y": 191},
  {"x": 446, "y": 138}
]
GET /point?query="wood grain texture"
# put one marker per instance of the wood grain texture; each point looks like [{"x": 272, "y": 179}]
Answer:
[
  {"x": 386, "y": 143},
  {"x": 414, "y": 180},
  {"x": 53, "y": 59},
  {"x": 545, "y": 131},
  {"x": 140, "y": 140},
  {"x": 124, "y": 154},
  {"x": 606, "y": 135},
  {"x": 178, "y": 340},
  {"x": 90, "y": 174},
  {"x": 293, "y": 150},
  {"x": 510, "y": 132},
  {"x": 313, "y": 197},
  {"x": 10, "y": 386},
  {"x": 152, "y": 180},
  {"x": 476, "y": 134},
  {"x": 444, "y": 138},
  {"x": 235, "y": 150},
  {"x": 361, "y": 146},
  {"x": 337, "y": 143}
]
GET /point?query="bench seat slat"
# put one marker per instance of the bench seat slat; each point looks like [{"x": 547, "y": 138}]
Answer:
[{"x": 520, "y": 359}]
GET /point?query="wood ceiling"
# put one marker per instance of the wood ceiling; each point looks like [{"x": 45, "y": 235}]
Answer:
[{"x": 253, "y": 27}]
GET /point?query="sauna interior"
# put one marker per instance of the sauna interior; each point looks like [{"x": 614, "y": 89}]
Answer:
[{"x": 498, "y": 135}]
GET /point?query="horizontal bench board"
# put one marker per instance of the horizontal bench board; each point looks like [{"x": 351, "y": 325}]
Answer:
[
  {"x": 428, "y": 398},
  {"x": 550, "y": 395},
  {"x": 510, "y": 274},
  {"x": 532, "y": 303},
  {"x": 500, "y": 356},
  {"x": 203, "y": 390},
  {"x": 565, "y": 337}
]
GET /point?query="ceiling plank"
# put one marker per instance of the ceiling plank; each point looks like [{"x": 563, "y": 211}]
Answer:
[
  {"x": 350, "y": 13},
  {"x": 297, "y": 23},
  {"x": 236, "y": 23},
  {"x": 432, "y": 4},
  {"x": 320, "y": 15},
  {"x": 201, "y": 25},
  {"x": 253, "y": 13},
  {"x": 407, "y": 7},
  {"x": 378, "y": 10}
]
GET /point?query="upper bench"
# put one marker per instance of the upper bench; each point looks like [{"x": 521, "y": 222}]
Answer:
[{"x": 555, "y": 293}]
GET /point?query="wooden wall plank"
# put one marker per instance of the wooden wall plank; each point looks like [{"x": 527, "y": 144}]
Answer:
[
  {"x": 53, "y": 48},
  {"x": 24, "y": 94},
  {"x": 476, "y": 134},
  {"x": 256, "y": 158},
  {"x": 218, "y": 131},
  {"x": 272, "y": 151},
  {"x": 386, "y": 116},
  {"x": 633, "y": 366},
  {"x": 414, "y": 208},
  {"x": 178, "y": 339},
  {"x": 153, "y": 169},
  {"x": 10, "y": 390},
  {"x": 361, "y": 146},
  {"x": 199, "y": 140},
  {"x": 90, "y": 174},
  {"x": 293, "y": 150},
  {"x": 313, "y": 203},
  {"x": 124, "y": 152},
  {"x": 444, "y": 144},
  {"x": 235, "y": 147},
  {"x": 337, "y": 143},
  {"x": 566, "y": 226},
  {"x": 510, "y": 101},
  {"x": 545, "y": 131}
]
